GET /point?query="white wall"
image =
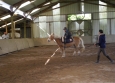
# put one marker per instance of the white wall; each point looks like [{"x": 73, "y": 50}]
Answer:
[
  {"x": 11, "y": 45},
  {"x": 95, "y": 26},
  {"x": 112, "y": 26},
  {"x": 86, "y": 39}
]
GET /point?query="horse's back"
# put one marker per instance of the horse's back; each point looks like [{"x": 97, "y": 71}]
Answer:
[{"x": 76, "y": 39}]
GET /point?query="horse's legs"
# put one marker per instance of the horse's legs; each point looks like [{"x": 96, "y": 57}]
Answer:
[
  {"x": 63, "y": 51},
  {"x": 60, "y": 49},
  {"x": 78, "y": 52},
  {"x": 74, "y": 53}
]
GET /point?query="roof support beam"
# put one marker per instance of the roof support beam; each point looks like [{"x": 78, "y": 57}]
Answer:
[
  {"x": 107, "y": 2},
  {"x": 91, "y": 2},
  {"x": 97, "y": 4},
  {"x": 39, "y": 6},
  {"x": 46, "y": 10},
  {"x": 20, "y": 2},
  {"x": 8, "y": 24},
  {"x": 11, "y": 9},
  {"x": 43, "y": 10}
]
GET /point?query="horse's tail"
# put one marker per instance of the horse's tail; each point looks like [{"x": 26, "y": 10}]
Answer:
[{"x": 82, "y": 44}]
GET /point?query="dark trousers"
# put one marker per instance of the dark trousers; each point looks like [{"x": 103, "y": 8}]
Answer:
[{"x": 104, "y": 53}]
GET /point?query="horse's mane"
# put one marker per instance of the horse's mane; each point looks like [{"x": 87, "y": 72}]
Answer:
[{"x": 55, "y": 36}]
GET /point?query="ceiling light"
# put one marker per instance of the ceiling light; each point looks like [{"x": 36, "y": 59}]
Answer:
[
  {"x": 19, "y": 20},
  {"x": 10, "y": 22},
  {"x": 57, "y": 5},
  {"x": 46, "y": 3},
  {"x": 5, "y": 17},
  {"x": 26, "y": 3},
  {"x": 35, "y": 10}
]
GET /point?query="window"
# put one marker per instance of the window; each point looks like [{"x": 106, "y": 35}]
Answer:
[{"x": 79, "y": 17}]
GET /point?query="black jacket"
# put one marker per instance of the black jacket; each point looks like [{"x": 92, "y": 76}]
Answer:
[
  {"x": 102, "y": 41},
  {"x": 67, "y": 34}
]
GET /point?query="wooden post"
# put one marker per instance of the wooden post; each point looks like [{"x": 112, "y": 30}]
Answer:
[
  {"x": 6, "y": 27},
  {"x": 12, "y": 27},
  {"x": 24, "y": 28},
  {"x": 32, "y": 23}
]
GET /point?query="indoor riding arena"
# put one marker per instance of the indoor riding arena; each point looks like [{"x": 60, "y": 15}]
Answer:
[{"x": 33, "y": 47}]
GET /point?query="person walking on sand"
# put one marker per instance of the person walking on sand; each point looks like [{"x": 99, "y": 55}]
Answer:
[{"x": 102, "y": 45}]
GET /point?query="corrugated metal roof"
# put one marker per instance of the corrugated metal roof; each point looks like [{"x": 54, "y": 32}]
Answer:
[
  {"x": 67, "y": 7},
  {"x": 11, "y": 2}
]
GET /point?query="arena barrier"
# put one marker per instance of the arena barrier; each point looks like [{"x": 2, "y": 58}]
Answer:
[{"x": 11, "y": 45}]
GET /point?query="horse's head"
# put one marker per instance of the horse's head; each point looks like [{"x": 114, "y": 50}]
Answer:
[{"x": 51, "y": 37}]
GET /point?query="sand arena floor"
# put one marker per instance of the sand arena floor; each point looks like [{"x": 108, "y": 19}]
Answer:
[{"x": 27, "y": 66}]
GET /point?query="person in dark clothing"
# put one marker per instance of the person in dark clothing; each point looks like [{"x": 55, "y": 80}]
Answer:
[
  {"x": 67, "y": 36},
  {"x": 102, "y": 45}
]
